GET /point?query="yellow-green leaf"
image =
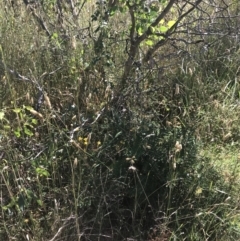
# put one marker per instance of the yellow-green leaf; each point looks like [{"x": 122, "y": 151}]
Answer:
[
  {"x": 162, "y": 21},
  {"x": 17, "y": 132},
  {"x": 34, "y": 121},
  {"x": 17, "y": 110},
  {"x": 171, "y": 23},
  {"x": 1, "y": 115},
  {"x": 27, "y": 131},
  {"x": 28, "y": 107},
  {"x": 7, "y": 127},
  {"x": 163, "y": 29},
  {"x": 152, "y": 29},
  {"x": 149, "y": 42}
]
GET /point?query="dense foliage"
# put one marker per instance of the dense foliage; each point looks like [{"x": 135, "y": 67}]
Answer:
[{"x": 106, "y": 108}]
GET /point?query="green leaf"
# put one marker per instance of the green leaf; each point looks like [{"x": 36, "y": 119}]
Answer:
[
  {"x": 113, "y": 10},
  {"x": 5, "y": 208},
  {"x": 34, "y": 121},
  {"x": 40, "y": 203},
  {"x": 42, "y": 172},
  {"x": 54, "y": 36},
  {"x": 27, "y": 131},
  {"x": 17, "y": 132},
  {"x": 152, "y": 29},
  {"x": 171, "y": 23},
  {"x": 28, "y": 107},
  {"x": 10, "y": 205},
  {"x": 149, "y": 43},
  {"x": 139, "y": 30},
  {"x": 30, "y": 194},
  {"x": 163, "y": 29},
  {"x": 17, "y": 110},
  {"x": 28, "y": 125},
  {"x": 1, "y": 115},
  {"x": 6, "y": 127}
]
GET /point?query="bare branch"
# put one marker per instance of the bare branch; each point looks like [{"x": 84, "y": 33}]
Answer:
[
  {"x": 132, "y": 30},
  {"x": 156, "y": 22},
  {"x": 170, "y": 32}
]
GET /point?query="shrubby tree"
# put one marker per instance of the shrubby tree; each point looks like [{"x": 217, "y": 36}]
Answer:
[{"x": 125, "y": 71}]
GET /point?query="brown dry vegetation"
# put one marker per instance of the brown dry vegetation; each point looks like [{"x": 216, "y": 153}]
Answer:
[{"x": 115, "y": 132}]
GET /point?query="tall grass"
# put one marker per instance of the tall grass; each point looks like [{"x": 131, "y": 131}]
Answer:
[{"x": 77, "y": 163}]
